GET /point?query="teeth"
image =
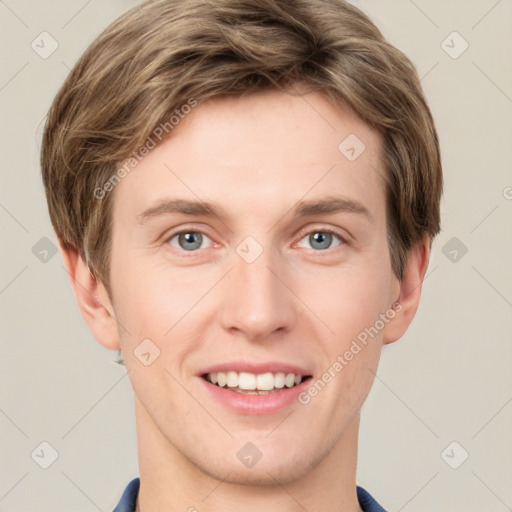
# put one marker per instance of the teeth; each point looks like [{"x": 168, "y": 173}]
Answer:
[
  {"x": 232, "y": 379},
  {"x": 289, "y": 381},
  {"x": 252, "y": 384},
  {"x": 247, "y": 381},
  {"x": 221, "y": 379},
  {"x": 265, "y": 381},
  {"x": 279, "y": 380}
]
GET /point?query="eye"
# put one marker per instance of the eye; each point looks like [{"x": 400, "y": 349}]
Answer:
[
  {"x": 321, "y": 239},
  {"x": 188, "y": 240}
]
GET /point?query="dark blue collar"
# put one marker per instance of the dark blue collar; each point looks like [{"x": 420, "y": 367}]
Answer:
[{"x": 129, "y": 497}]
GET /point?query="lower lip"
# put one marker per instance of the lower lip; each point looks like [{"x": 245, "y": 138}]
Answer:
[{"x": 256, "y": 404}]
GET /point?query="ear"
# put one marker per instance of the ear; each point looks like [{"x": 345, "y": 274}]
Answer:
[
  {"x": 92, "y": 299},
  {"x": 410, "y": 291}
]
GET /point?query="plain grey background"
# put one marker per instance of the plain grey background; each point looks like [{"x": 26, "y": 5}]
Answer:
[{"x": 436, "y": 427}]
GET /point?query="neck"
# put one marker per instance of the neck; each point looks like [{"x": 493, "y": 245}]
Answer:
[{"x": 169, "y": 481}]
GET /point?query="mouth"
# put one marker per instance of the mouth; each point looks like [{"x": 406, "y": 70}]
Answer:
[{"x": 247, "y": 383}]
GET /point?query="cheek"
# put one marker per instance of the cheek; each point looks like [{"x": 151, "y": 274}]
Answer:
[
  {"x": 347, "y": 300},
  {"x": 154, "y": 300},
  {"x": 141, "y": 304}
]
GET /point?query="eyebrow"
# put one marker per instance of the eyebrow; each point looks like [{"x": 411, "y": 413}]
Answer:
[{"x": 332, "y": 204}]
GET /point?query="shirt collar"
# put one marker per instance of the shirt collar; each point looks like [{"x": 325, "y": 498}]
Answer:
[{"x": 129, "y": 499}]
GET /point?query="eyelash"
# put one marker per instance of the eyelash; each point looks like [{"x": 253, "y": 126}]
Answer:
[{"x": 343, "y": 240}]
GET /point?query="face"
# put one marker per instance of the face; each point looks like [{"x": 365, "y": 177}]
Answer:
[{"x": 251, "y": 243}]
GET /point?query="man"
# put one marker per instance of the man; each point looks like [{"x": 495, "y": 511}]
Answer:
[{"x": 245, "y": 195}]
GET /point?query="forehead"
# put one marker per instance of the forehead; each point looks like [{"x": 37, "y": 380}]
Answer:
[{"x": 265, "y": 152}]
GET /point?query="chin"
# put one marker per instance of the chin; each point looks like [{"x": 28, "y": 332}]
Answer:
[{"x": 264, "y": 472}]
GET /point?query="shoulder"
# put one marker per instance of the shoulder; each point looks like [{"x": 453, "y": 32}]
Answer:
[
  {"x": 367, "y": 502},
  {"x": 129, "y": 497}
]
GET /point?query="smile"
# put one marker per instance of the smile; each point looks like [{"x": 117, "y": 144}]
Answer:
[{"x": 254, "y": 384}]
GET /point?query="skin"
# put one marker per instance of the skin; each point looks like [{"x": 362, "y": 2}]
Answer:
[{"x": 297, "y": 302}]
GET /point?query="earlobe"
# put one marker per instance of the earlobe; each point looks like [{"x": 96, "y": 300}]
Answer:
[
  {"x": 92, "y": 299},
  {"x": 410, "y": 291}
]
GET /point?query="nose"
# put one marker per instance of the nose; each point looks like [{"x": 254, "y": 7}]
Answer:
[{"x": 257, "y": 302}]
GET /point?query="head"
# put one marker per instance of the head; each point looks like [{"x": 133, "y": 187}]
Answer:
[{"x": 255, "y": 111}]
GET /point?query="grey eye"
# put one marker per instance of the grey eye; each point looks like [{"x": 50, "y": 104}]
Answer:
[
  {"x": 321, "y": 240},
  {"x": 188, "y": 240}
]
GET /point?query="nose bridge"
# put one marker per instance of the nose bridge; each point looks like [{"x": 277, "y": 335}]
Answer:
[{"x": 256, "y": 301}]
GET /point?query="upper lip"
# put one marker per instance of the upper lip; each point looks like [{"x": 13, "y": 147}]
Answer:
[{"x": 256, "y": 368}]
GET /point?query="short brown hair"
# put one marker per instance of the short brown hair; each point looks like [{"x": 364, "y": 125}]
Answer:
[{"x": 159, "y": 55}]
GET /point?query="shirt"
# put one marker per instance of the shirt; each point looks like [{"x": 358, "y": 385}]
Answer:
[{"x": 129, "y": 497}]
